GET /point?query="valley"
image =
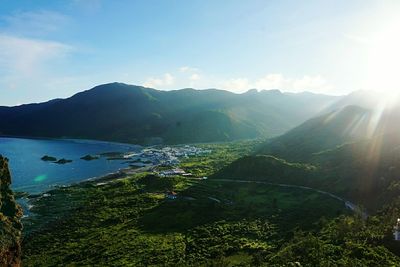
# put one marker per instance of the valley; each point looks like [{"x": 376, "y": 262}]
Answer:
[
  {"x": 199, "y": 133},
  {"x": 216, "y": 221},
  {"x": 134, "y": 217},
  {"x": 328, "y": 187}
]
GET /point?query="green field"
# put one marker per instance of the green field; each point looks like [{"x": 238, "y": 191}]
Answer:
[
  {"x": 129, "y": 221},
  {"x": 221, "y": 155},
  {"x": 126, "y": 222}
]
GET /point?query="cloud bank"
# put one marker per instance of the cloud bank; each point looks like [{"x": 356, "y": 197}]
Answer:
[{"x": 184, "y": 76}]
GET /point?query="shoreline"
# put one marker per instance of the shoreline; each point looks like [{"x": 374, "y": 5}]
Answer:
[
  {"x": 25, "y": 199},
  {"x": 99, "y": 147},
  {"x": 88, "y": 141},
  {"x": 107, "y": 176}
]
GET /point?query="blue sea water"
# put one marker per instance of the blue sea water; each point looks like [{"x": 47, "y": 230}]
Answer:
[{"x": 31, "y": 174}]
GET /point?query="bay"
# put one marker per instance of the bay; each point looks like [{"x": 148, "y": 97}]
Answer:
[{"x": 33, "y": 175}]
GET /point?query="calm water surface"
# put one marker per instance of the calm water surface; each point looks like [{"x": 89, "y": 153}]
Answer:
[{"x": 31, "y": 174}]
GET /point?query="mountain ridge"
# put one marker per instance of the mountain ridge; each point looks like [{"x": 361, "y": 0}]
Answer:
[{"x": 136, "y": 114}]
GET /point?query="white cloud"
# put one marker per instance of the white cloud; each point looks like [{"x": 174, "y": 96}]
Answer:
[
  {"x": 25, "y": 56},
  {"x": 188, "y": 69},
  {"x": 311, "y": 83},
  {"x": 188, "y": 76},
  {"x": 272, "y": 81},
  {"x": 236, "y": 85},
  {"x": 166, "y": 80},
  {"x": 29, "y": 57},
  {"x": 169, "y": 79},
  {"x": 279, "y": 81},
  {"x": 194, "y": 77}
]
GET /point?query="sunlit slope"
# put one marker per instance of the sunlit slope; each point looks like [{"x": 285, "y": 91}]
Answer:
[
  {"x": 354, "y": 153},
  {"x": 368, "y": 171},
  {"x": 324, "y": 132},
  {"x": 128, "y": 113}
]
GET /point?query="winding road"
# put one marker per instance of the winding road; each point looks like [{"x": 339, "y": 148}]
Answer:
[{"x": 347, "y": 203}]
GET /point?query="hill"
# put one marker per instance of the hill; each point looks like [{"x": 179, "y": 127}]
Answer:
[
  {"x": 366, "y": 99},
  {"x": 324, "y": 132},
  {"x": 267, "y": 168},
  {"x": 135, "y": 114},
  {"x": 354, "y": 153},
  {"x": 366, "y": 171}
]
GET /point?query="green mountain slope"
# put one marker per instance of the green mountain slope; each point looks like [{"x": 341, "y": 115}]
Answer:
[
  {"x": 324, "y": 132},
  {"x": 367, "y": 171},
  {"x": 135, "y": 114},
  {"x": 269, "y": 169},
  {"x": 355, "y": 153}
]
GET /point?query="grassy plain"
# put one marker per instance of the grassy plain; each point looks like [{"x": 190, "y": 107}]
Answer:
[{"x": 125, "y": 222}]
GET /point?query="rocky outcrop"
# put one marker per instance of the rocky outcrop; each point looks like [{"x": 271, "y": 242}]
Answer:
[{"x": 10, "y": 224}]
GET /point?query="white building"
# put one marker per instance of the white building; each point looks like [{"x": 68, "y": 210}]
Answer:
[{"x": 396, "y": 232}]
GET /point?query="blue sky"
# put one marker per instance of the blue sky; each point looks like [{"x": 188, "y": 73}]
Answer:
[{"x": 51, "y": 49}]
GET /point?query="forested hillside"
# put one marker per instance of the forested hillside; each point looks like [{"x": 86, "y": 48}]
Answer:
[
  {"x": 352, "y": 152},
  {"x": 135, "y": 114}
]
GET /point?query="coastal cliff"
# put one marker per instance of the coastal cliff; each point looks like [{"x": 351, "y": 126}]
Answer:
[{"x": 10, "y": 224}]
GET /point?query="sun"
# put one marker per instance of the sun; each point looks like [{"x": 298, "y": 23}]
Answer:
[{"x": 384, "y": 59}]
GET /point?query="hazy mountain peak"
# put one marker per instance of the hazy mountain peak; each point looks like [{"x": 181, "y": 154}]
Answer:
[
  {"x": 272, "y": 91},
  {"x": 251, "y": 91}
]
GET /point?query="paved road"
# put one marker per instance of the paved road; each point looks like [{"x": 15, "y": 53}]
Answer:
[{"x": 347, "y": 203}]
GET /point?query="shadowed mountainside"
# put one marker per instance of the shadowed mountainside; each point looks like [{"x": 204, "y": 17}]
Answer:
[
  {"x": 324, "y": 132},
  {"x": 352, "y": 152},
  {"x": 135, "y": 114}
]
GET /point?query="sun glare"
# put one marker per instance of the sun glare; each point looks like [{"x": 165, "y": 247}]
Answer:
[{"x": 384, "y": 59}]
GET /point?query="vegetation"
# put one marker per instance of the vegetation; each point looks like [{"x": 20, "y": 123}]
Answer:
[
  {"x": 48, "y": 158},
  {"x": 130, "y": 222},
  {"x": 232, "y": 219},
  {"x": 320, "y": 133},
  {"x": 334, "y": 154},
  {"x": 221, "y": 155},
  {"x": 90, "y": 157},
  {"x": 134, "y": 114},
  {"x": 268, "y": 169},
  {"x": 63, "y": 161}
]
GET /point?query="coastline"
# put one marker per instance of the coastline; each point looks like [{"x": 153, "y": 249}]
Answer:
[
  {"x": 122, "y": 172},
  {"x": 18, "y": 151},
  {"x": 78, "y": 140},
  {"x": 25, "y": 199}
]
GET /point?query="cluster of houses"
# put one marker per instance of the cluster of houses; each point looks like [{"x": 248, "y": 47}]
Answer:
[
  {"x": 165, "y": 156},
  {"x": 173, "y": 172}
]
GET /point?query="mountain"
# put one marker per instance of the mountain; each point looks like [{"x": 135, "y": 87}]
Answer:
[
  {"x": 10, "y": 225},
  {"x": 352, "y": 152},
  {"x": 135, "y": 114},
  {"x": 342, "y": 122},
  {"x": 317, "y": 134},
  {"x": 362, "y": 98},
  {"x": 367, "y": 171},
  {"x": 269, "y": 169}
]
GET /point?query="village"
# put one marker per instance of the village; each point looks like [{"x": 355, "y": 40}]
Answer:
[{"x": 164, "y": 161}]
